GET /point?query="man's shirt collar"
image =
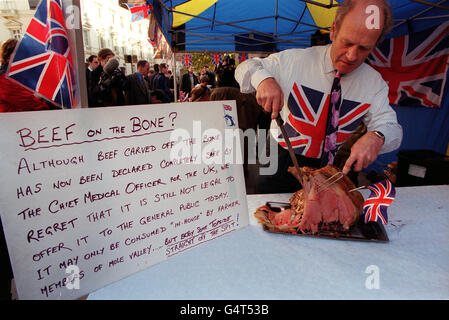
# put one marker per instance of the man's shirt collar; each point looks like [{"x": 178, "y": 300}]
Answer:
[{"x": 328, "y": 66}]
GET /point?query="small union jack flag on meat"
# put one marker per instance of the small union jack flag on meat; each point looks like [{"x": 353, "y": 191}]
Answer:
[
  {"x": 43, "y": 59},
  {"x": 139, "y": 11},
  {"x": 375, "y": 206},
  {"x": 216, "y": 58},
  {"x": 414, "y": 66},
  {"x": 306, "y": 123},
  {"x": 186, "y": 60},
  {"x": 243, "y": 56}
]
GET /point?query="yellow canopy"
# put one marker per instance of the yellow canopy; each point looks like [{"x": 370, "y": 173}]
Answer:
[
  {"x": 192, "y": 7},
  {"x": 323, "y": 17}
]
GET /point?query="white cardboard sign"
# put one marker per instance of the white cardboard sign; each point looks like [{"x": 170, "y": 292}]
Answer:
[{"x": 90, "y": 196}]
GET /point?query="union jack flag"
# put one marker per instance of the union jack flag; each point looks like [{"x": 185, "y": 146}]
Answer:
[
  {"x": 153, "y": 42},
  {"x": 414, "y": 66},
  {"x": 216, "y": 58},
  {"x": 375, "y": 206},
  {"x": 307, "y": 120},
  {"x": 243, "y": 56},
  {"x": 139, "y": 11},
  {"x": 183, "y": 97},
  {"x": 186, "y": 60},
  {"x": 43, "y": 60}
]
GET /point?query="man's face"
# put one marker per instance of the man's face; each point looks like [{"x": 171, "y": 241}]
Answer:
[
  {"x": 145, "y": 69},
  {"x": 94, "y": 64},
  {"x": 191, "y": 69},
  {"x": 353, "y": 42},
  {"x": 103, "y": 62}
]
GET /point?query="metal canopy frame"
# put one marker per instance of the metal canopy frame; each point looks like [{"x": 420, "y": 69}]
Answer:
[
  {"x": 260, "y": 38},
  {"x": 277, "y": 38},
  {"x": 417, "y": 16}
]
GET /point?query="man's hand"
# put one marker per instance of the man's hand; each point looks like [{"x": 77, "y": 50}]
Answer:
[
  {"x": 363, "y": 152},
  {"x": 270, "y": 96}
]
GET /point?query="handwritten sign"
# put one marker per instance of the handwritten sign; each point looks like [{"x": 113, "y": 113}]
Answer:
[{"x": 90, "y": 196}]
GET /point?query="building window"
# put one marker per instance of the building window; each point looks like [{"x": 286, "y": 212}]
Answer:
[
  {"x": 33, "y": 3},
  {"x": 16, "y": 33},
  {"x": 86, "y": 37}
]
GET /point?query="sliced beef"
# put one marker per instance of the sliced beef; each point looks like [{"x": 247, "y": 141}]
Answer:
[{"x": 334, "y": 208}]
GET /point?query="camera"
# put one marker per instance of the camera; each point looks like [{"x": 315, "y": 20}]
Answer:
[{"x": 112, "y": 79}]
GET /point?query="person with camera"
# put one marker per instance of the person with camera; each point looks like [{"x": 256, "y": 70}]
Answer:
[{"x": 107, "y": 82}]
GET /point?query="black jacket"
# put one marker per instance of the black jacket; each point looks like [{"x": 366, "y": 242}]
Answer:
[
  {"x": 160, "y": 82},
  {"x": 137, "y": 92},
  {"x": 107, "y": 90},
  {"x": 185, "y": 83}
]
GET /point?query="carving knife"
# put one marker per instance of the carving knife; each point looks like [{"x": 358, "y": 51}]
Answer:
[{"x": 280, "y": 123}]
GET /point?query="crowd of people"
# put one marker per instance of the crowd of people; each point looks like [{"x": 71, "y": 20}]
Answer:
[{"x": 108, "y": 85}]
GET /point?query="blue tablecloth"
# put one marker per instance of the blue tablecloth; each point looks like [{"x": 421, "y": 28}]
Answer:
[{"x": 253, "y": 264}]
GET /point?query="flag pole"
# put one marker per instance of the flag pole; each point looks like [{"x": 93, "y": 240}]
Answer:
[
  {"x": 79, "y": 52},
  {"x": 175, "y": 77}
]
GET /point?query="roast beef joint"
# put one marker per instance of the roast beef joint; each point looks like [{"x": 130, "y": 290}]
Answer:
[{"x": 314, "y": 209}]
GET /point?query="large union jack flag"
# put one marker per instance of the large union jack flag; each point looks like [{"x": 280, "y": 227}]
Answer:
[
  {"x": 375, "y": 206},
  {"x": 139, "y": 11},
  {"x": 43, "y": 59},
  {"x": 306, "y": 123},
  {"x": 414, "y": 66}
]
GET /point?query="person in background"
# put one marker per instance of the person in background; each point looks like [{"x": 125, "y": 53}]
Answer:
[
  {"x": 160, "y": 82},
  {"x": 157, "y": 96},
  {"x": 151, "y": 76},
  {"x": 210, "y": 74},
  {"x": 13, "y": 96},
  {"x": 189, "y": 81},
  {"x": 283, "y": 77},
  {"x": 147, "y": 77},
  {"x": 171, "y": 85},
  {"x": 107, "y": 83},
  {"x": 92, "y": 64},
  {"x": 201, "y": 92},
  {"x": 225, "y": 73},
  {"x": 137, "y": 91}
]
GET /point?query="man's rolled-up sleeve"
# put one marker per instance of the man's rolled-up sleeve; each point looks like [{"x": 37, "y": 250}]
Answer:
[
  {"x": 250, "y": 73},
  {"x": 381, "y": 117}
]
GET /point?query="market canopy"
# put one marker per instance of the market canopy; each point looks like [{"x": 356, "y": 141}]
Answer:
[{"x": 270, "y": 25}]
